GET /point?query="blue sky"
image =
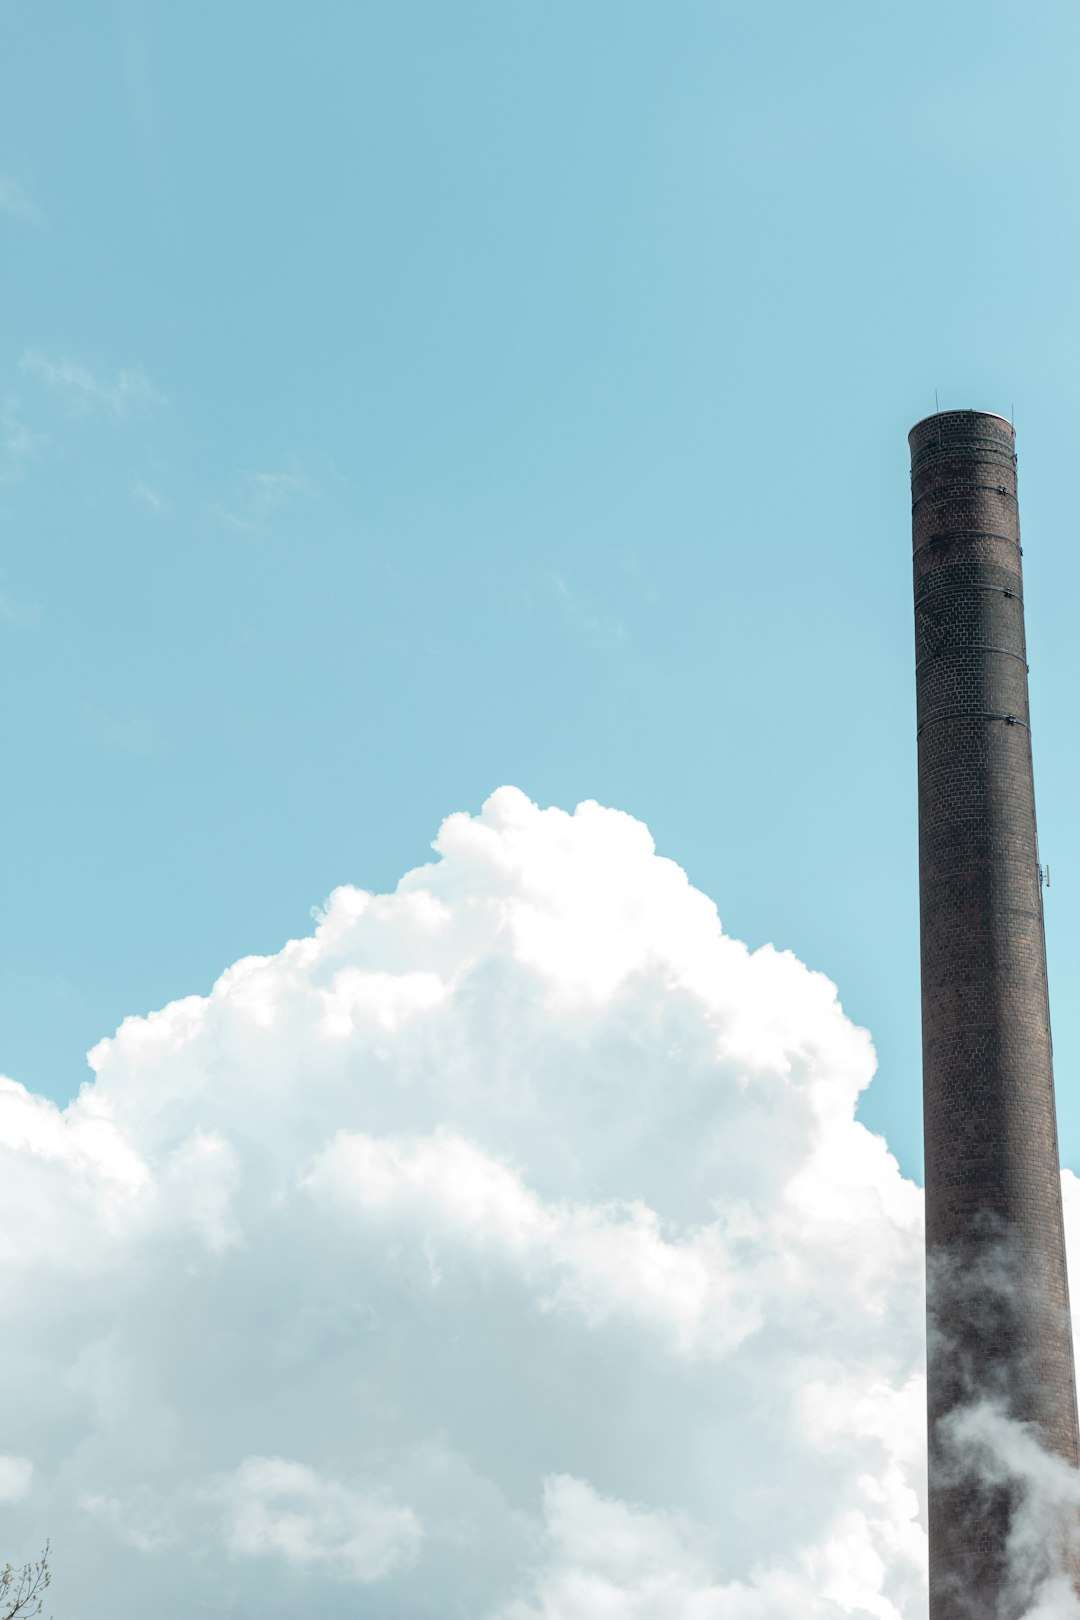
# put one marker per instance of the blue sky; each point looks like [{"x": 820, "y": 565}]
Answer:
[{"x": 404, "y": 399}]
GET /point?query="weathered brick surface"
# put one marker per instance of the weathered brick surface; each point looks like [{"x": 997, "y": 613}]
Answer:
[{"x": 997, "y": 1306}]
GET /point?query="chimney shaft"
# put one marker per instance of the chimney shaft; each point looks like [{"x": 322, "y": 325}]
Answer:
[{"x": 998, "y": 1324}]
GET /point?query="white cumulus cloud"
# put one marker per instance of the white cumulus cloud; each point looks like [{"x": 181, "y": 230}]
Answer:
[
  {"x": 279, "y": 1508},
  {"x": 15, "y": 1476},
  {"x": 508, "y": 1248}
]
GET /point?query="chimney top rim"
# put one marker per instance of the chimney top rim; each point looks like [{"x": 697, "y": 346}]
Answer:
[{"x": 994, "y": 416}]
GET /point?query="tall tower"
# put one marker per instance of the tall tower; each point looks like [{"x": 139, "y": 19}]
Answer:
[{"x": 997, "y": 1294}]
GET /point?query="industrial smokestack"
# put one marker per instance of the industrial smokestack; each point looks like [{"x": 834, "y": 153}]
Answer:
[{"x": 997, "y": 1296}]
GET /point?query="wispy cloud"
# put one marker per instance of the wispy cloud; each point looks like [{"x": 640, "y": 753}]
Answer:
[
  {"x": 139, "y": 79},
  {"x": 132, "y": 734},
  {"x": 147, "y": 496},
  {"x": 259, "y": 494},
  {"x": 15, "y": 200},
  {"x": 17, "y": 442},
  {"x": 128, "y": 393},
  {"x": 269, "y": 489},
  {"x": 582, "y": 613}
]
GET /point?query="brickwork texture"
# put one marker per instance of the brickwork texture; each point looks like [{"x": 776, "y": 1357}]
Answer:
[{"x": 997, "y": 1294}]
